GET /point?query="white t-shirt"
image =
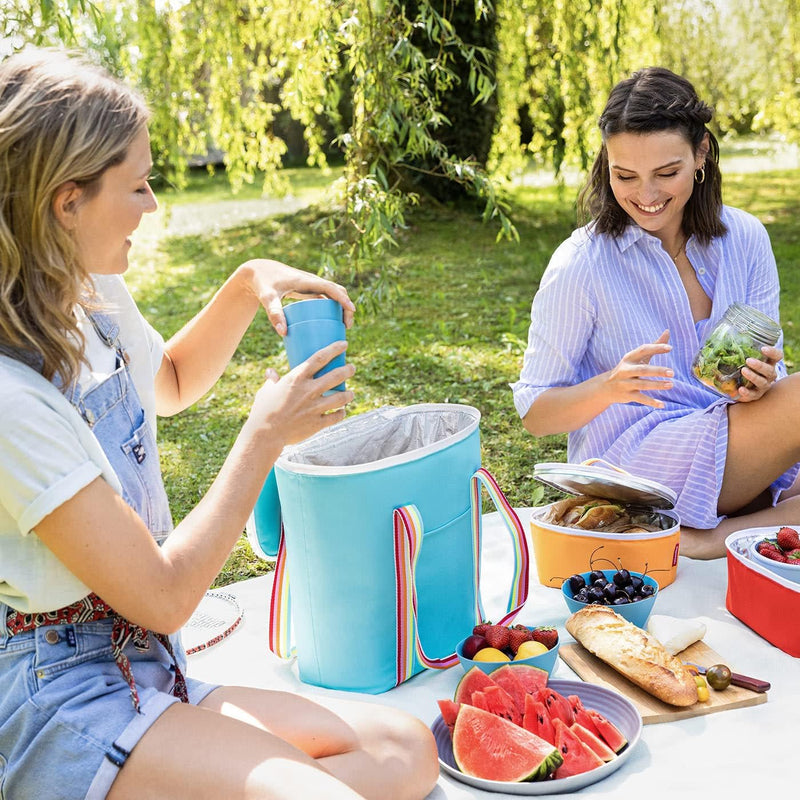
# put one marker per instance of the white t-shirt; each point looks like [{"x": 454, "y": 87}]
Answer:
[
  {"x": 48, "y": 454},
  {"x": 143, "y": 343}
]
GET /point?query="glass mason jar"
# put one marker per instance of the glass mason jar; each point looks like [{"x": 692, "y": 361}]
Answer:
[{"x": 740, "y": 334}]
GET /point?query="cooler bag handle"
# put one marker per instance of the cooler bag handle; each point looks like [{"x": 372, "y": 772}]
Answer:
[
  {"x": 408, "y": 532},
  {"x": 280, "y": 607}
]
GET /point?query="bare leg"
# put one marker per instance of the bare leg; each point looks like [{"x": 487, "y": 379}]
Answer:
[
  {"x": 705, "y": 544},
  {"x": 380, "y": 751},
  {"x": 763, "y": 442},
  {"x": 243, "y": 744}
]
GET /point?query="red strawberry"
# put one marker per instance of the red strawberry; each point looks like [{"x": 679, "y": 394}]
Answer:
[
  {"x": 765, "y": 545},
  {"x": 497, "y": 636},
  {"x": 547, "y": 635},
  {"x": 788, "y": 539},
  {"x": 517, "y": 635},
  {"x": 773, "y": 554},
  {"x": 794, "y": 555},
  {"x": 480, "y": 628}
]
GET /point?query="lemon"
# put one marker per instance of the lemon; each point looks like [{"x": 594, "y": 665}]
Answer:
[
  {"x": 530, "y": 649},
  {"x": 490, "y": 654}
]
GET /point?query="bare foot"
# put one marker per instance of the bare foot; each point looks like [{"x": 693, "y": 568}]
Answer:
[{"x": 706, "y": 544}]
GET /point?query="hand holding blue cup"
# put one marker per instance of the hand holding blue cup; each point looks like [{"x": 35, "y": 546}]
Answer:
[{"x": 310, "y": 326}]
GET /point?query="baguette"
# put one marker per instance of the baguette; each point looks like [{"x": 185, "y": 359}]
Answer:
[{"x": 634, "y": 653}]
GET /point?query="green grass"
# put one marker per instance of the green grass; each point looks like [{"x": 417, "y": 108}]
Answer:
[
  {"x": 455, "y": 334},
  {"x": 205, "y": 186}
]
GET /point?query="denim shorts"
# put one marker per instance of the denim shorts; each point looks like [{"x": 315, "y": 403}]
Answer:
[{"x": 67, "y": 722}]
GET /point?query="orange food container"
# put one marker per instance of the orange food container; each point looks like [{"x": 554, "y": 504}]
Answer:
[{"x": 561, "y": 551}]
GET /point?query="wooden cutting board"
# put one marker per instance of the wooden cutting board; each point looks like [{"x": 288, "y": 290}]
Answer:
[{"x": 593, "y": 670}]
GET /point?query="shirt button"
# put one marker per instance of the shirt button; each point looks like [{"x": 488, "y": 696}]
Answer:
[
  {"x": 701, "y": 271},
  {"x": 51, "y": 637},
  {"x": 89, "y": 416}
]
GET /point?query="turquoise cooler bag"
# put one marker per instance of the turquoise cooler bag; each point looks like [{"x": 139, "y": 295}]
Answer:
[{"x": 379, "y": 557}]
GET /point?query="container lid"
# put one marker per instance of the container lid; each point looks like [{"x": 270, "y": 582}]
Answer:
[{"x": 603, "y": 480}]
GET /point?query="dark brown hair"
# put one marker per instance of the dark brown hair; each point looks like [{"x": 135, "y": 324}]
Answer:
[{"x": 652, "y": 100}]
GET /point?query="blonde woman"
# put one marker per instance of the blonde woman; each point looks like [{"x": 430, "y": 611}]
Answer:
[{"x": 94, "y": 701}]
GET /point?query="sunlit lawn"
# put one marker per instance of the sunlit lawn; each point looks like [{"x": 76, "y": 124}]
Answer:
[{"x": 454, "y": 335}]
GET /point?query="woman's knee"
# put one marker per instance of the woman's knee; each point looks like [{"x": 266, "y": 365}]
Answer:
[
  {"x": 411, "y": 742},
  {"x": 398, "y": 750}
]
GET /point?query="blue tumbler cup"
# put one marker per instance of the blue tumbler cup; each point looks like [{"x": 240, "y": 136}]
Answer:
[{"x": 310, "y": 326}]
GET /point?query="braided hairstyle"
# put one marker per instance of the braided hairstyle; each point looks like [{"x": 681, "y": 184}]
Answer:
[{"x": 653, "y": 100}]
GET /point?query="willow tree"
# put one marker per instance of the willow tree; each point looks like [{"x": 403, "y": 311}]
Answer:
[
  {"x": 782, "y": 108},
  {"x": 739, "y": 56},
  {"x": 380, "y": 76},
  {"x": 558, "y": 59},
  {"x": 45, "y": 22},
  {"x": 219, "y": 72}
]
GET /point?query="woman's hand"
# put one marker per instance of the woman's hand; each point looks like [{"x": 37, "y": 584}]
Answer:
[
  {"x": 295, "y": 406},
  {"x": 271, "y": 281},
  {"x": 562, "y": 409},
  {"x": 762, "y": 374},
  {"x": 629, "y": 381}
]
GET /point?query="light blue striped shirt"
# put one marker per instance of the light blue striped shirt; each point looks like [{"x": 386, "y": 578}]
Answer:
[{"x": 602, "y": 297}]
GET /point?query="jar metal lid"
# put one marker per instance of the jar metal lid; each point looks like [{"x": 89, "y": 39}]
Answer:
[{"x": 756, "y": 322}]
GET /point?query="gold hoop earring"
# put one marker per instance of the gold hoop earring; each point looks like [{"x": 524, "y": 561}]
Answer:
[{"x": 700, "y": 175}]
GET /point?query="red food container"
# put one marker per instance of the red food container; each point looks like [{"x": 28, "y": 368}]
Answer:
[{"x": 762, "y": 599}]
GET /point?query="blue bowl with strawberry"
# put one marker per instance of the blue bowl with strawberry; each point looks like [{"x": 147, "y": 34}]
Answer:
[
  {"x": 490, "y": 647},
  {"x": 779, "y": 553}
]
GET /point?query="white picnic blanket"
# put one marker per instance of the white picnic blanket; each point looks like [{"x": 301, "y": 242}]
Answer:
[{"x": 728, "y": 753}]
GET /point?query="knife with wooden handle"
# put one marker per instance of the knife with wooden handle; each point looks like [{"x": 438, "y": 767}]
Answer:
[{"x": 745, "y": 681}]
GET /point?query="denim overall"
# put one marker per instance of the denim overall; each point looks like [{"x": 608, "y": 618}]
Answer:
[
  {"x": 113, "y": 411},
  {"x": 66, "y": 720}
]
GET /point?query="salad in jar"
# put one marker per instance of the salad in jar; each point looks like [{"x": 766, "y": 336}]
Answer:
[
  {"x": 718, "y": 364},
  {"x": 740, "y": 334}
]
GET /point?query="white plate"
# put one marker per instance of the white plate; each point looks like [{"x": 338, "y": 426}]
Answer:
[{"x": 613, "y": 706}]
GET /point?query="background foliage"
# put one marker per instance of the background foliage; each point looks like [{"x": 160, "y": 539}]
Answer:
[{"x": 414, "y": 96}]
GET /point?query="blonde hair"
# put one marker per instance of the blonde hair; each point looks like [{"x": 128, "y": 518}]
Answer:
[{"x": 61, "y": 119}]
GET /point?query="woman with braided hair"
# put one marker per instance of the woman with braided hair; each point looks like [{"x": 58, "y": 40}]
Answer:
[
  {"x": 626, "y": 302},
  {"x": 95, "y": 583}
]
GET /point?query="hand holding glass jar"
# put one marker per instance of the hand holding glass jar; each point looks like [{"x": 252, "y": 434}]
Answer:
[{"x": 740, "y": 335}]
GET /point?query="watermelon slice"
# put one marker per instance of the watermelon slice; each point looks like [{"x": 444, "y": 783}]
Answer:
[
  {"x": 557, "y": 706},
  {"x": 478, "y": 700},
  {"x": 609, "y": 732},
  {"x": 594, "y": 742},
  {"x": 506, "y": 677},
  {"x": 533, "y": 679},
  {"x": 578, "y": 758},
  {"x": 449, "y": 711},
  {"x": 537, "y": 720},
  {"x": 575, "y": 704},
  {"x": 490, "y": 747},
  {"x": 583, "y": 718},
  {"x": 499, "y": 701},
  {"x": 475, "y": 680}
]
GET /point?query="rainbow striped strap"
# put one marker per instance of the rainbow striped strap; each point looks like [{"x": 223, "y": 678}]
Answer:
[
  {"x": 518, "y": 593},
  {"x": 408, "y": 535},
  {"x": 280, "y": 606}
]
